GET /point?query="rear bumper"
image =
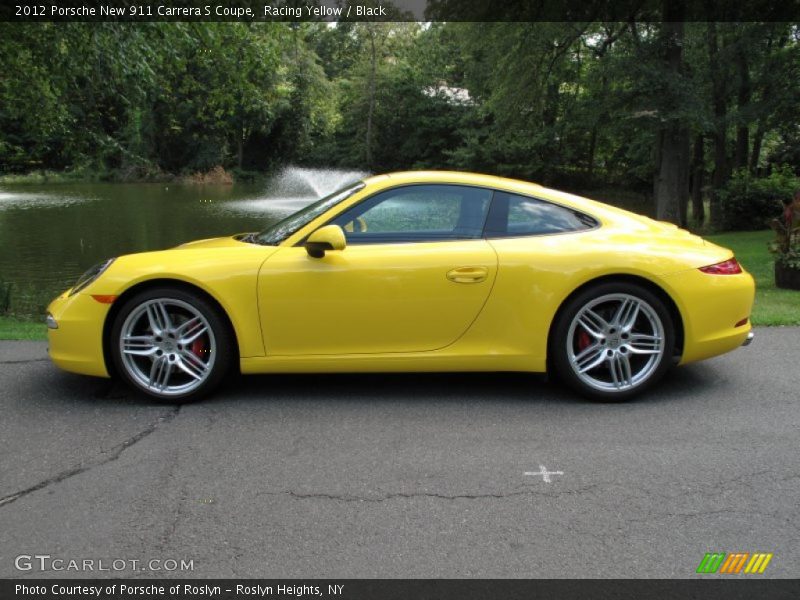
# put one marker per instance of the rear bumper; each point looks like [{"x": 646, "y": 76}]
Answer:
[
  {"x": 76, "y": 345},
  {"x": 715, "y": 310}
]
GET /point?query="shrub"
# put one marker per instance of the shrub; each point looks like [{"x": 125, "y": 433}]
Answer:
[{"x": 750, "y": 203}]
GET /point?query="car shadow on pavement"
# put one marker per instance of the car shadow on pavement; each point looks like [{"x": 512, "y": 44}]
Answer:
[{"x": 682, "y": 384}]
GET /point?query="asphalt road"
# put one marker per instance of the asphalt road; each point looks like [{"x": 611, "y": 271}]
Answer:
[{"x": 404, "y": 475}]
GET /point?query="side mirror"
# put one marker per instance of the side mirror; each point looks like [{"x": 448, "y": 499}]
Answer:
[{"x": 330, "y": 237}]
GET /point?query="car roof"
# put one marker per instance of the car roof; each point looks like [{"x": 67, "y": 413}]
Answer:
[{"x": 454, "y": 177}]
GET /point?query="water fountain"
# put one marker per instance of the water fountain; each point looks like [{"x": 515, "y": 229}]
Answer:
[
  {"x": 297, "y": 181},
  {"x": 295, "y": 187}
]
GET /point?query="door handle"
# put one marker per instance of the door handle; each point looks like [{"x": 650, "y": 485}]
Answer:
[{"x": 468, "y": 274}]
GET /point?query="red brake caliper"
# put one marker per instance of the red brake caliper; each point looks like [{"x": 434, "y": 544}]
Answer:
[
  {"x": 583, "y": 340},
  {"x": 198, "y": 347}
]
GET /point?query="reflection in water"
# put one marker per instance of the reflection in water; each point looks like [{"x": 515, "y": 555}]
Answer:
[
  {"x": 51, "y": 233},
  {"x": 28, "y": 200}
]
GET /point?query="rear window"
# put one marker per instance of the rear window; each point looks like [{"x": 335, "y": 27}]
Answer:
[{"x": 513, "y": 215}]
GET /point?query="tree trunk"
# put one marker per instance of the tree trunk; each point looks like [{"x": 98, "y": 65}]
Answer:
[
  {"x": 698, "y": 173},
  {"x": 671, "y": 178},
  {"x": 720, "y": 175},
  {"x": 671, "y": 181},
  {"x": 550, "y": 158},
  {"x": 595, "y": 128},
  {"x": 766, "y": 93},
  {"x": 240, "y": 148},
  {"x": 742, "y": 130},
  {"x": 758, "y": 138},
  {"x": 371, "y": 108},
  {"x": 592, "y": 147}
]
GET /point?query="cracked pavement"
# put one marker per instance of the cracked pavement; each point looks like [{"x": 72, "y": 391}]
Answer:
[{"x": 404, "y": 475}]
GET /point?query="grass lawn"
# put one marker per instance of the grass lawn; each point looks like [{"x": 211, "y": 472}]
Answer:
[
  {"x": 773, "y": 306},
  {"x": 12, "y": 328}
]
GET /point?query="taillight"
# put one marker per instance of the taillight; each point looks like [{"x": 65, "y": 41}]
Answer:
[{"x": 727, "y": 267}]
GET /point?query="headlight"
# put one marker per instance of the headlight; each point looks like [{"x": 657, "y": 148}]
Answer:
[{"x": 90, "y": 275}]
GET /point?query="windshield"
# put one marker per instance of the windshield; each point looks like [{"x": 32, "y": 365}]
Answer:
[{"x": 281, "y": 230}]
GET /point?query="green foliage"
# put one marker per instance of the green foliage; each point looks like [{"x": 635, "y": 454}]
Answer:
[
  {"x": 786, "y": 150},
  {"x": 12, "y": 328},
  {"x": 750, "y": 202},
  {"x": 574, "y": 105},
  {"x": 416, "y": 122},
  {"x": 139, "y": 100},
  {"x": 790, "y": 258}
]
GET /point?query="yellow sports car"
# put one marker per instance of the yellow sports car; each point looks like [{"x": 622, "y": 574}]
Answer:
[{"x": 416, "y": 271}]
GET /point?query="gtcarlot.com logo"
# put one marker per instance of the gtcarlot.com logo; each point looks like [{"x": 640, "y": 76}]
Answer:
[
  {"x": 46, "y": 562},
  {"x": 734, "y": 562}
]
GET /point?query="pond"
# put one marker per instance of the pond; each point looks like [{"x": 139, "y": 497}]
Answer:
[{"x": 50, "y": 234}]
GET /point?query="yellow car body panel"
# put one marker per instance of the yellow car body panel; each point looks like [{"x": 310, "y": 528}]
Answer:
[
  {"x": 404, "y": 307},
  {"x": 372, "y": 298},
  {"x": 77, "y": 344},
  {"x": 711, "y": 307},
  {"x": 223, "y": 268}
]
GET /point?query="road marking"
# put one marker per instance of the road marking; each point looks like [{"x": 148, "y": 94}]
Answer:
[{"x": 544, "y": 473}]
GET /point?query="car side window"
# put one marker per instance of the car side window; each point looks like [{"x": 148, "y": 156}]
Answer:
[
  {"x": 417, "y": 213},
  {"x": 513, "y": 215}
]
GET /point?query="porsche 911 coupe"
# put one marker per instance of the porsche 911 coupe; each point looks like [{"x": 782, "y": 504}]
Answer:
[{"x": 415, "y": 271}]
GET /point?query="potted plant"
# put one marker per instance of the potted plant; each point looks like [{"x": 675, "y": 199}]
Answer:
[{"x": 786, "y": 246}]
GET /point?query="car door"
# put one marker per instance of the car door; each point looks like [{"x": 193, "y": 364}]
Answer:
[{"x": 413, "y": 277}]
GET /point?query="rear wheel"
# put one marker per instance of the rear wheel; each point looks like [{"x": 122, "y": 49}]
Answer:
[
  {"x": 613, "y": 341},
  {"x": 171, "y": 344}
]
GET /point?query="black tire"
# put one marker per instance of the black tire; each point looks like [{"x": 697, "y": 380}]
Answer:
[
  {"x": 218, "y": 336},
  {"x": 568, "y": 356}
]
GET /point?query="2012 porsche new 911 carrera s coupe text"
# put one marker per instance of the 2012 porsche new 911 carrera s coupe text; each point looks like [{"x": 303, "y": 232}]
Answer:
[{"x": 417, "y": 271}]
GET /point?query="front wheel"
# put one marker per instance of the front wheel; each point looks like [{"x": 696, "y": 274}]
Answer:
[
  {"x": 613, "y": 341},
  {"x": 171, "y": 344}
]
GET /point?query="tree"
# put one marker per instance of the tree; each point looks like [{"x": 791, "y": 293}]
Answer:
[{"x": 672, "y": 162}]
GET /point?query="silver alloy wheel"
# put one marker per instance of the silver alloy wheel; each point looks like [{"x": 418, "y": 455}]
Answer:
[
  {"x": 167, "y": 346},
  {"x": 615, "y": 342}
]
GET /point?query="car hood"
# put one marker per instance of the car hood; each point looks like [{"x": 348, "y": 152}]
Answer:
[{"x": 220, "y": 242}]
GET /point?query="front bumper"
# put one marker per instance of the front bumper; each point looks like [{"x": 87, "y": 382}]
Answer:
[{"x": 76, "y": 342}]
